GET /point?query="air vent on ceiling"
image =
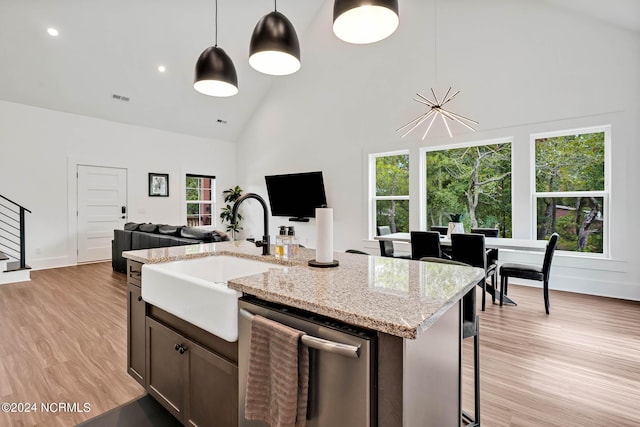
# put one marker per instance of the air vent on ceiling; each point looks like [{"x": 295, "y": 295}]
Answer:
[{"x": 120, "y": 97}]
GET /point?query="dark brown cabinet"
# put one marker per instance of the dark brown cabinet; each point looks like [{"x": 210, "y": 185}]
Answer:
[
  {"x": 166, "y": 367},
  {"x": 196, "y": 385},
  {"x": 191, "y": 372},
  {"x": 136, "y": 313}
]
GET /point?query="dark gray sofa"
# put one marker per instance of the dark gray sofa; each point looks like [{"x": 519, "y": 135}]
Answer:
[{"x": 146, "y": 236}]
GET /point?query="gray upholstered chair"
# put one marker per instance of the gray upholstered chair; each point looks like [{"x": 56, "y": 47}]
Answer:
[
  {"x": 530, "y": 272},
  {"x": 355, "y": 251},
  {"x": 386, "y": 246}
]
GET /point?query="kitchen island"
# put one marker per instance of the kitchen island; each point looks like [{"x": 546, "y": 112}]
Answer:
[{"x": 412, "y": 307}]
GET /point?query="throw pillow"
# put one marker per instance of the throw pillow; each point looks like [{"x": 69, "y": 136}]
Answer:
[{"x": 131, "y": 226}]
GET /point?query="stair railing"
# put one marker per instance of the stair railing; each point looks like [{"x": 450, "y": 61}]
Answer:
[{"x": 12, "y": 230}]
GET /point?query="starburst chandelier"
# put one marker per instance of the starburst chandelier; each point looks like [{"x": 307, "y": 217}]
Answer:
[{"x": 436, "y": 110}]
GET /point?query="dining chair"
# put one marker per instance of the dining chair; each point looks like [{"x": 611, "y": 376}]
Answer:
[
  {"x": 470, "y": 328},
  {"x": 425, "y": 244},
  {"x": 442, "y": 229},
  {"x": 356, "y": 251},
  {"x": 470, "y": 249},
  {"x": 492, "y": 253},
  {"x": 488, "y": 232},
  {"x": 386, "y": 246},
  {"x": 531, "y": 272}
]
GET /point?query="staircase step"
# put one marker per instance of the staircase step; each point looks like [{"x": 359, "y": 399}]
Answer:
[
  {"x": 10, "y": 271},
  {"x": 20, "y": 275},
  {"x": 15, "y": 266}
]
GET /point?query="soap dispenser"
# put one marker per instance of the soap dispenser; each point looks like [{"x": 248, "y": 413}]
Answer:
[
  {"x": 281, "y": 243},
  {"x": 293, "y": 242}
]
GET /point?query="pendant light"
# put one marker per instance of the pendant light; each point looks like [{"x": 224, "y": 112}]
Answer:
[
  {"x": 274, "y": 45},
  {"x": 435, "y": 105},
  {"x": 364, "y": 21},
  {"x": 215, "y": 73}
]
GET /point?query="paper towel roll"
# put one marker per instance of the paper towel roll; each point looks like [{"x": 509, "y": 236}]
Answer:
[{"x": 324, "y": 234}]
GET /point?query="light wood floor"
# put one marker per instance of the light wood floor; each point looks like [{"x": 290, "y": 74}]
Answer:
[
  {"x": 63, "y": 338},
  {"x": 579, "y": 366}
]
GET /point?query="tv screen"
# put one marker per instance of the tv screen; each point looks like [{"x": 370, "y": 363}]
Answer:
[{"x": 296, "y": 195}]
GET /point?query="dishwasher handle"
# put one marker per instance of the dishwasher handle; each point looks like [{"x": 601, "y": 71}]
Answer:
[{"x": 347, "y": 350}]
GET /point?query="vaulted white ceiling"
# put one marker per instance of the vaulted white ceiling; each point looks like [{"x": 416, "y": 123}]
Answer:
[{"x": 114, "y": 47}]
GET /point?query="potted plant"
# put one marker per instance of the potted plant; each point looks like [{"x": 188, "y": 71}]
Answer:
[
  {"x": 455, "y": 224},
  {"x": 230, "y": 197}
]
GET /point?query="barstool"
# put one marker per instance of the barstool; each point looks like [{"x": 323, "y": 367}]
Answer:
[{"x": 470, "y": 328}]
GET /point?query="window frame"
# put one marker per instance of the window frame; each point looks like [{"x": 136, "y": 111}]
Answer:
[
  {"x": 212, "y": 202},
  {"x": 373, "y": 198},
  {"x": 423, "y": 170},
  {"x": 605, "y": 193}
]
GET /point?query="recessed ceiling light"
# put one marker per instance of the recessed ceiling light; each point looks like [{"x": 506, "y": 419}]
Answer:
[
  {"x": 52, "y": 32},
  {"x": 162, "y": 68}
]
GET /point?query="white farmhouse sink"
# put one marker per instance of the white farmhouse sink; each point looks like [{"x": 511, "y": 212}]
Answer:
[{"x": 196, "y": 290}]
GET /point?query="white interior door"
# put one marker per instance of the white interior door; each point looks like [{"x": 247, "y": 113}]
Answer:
[{"x": 102, "y": 208}]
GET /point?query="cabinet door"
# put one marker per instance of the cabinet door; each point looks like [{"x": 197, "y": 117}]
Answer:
[
  {"x": 212, "y": 396},
  {"x": 166, "y": 366},
  {"x": 136, "y": 311}
]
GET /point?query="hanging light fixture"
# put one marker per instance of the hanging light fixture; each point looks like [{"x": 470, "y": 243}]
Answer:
[
  {"x": 274, "y": 45},
  {"x": 435, "y": 109},
  {"x": 435, "y": 106},
  {"x": 215, "y": 73},
  {"x": 364, "y": 21}
]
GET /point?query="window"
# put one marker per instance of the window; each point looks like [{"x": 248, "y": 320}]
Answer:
[
  {"x": 570, "y": 188},
  {"x": 200, "y": 200},
  {"x": 390, "y": 190},
  {"x": 472, "y": 180}
]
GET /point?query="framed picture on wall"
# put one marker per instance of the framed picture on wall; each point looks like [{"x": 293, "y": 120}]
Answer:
[{"x": 158, "y": 185}]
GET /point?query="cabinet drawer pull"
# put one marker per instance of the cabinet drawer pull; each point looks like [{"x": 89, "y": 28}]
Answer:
[
  {"x": 134, "y": 273},
  {"x": 180, "y": 348},
  {"x": 139, "y": 298}
]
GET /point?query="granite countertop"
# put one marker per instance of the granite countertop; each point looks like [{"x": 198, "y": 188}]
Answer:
[{"x": 394, "y": 296}]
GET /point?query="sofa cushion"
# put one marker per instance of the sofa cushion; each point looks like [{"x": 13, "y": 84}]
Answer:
[
  {"x": 131, "y": 226},
  {"x": 196, "y": 233},
  {"x": 148, "y": 228},
  {"x": 169, "y": 230},
  {"x": 222, "y": 234}
]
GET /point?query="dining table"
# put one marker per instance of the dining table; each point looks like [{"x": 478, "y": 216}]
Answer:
[{"x": 490, "y": 243}]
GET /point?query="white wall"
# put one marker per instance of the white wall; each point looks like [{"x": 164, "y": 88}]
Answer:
[
  {"x": 522, "y": 67},
  {"x": 39, "y": 153}
]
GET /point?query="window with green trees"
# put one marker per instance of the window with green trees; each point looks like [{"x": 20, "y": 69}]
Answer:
[
  {"x": 570, "y": 188},
  {"x": 391, "y": 186},
  {"x": 474, "y": 181},
  {"x": 200, "y": 201}
]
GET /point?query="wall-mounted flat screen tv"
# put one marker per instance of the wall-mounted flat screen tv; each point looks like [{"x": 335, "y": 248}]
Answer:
[{"x": 296, "y": 195}]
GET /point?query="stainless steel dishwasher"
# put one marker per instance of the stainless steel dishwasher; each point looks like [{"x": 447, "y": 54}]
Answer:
[{"x": 342, "y": 385}]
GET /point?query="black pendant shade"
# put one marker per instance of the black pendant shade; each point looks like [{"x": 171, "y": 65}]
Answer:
[
  {"x": 364, "y": 21},
  {"x": 215, "y": 74},
  {"x": 274, "y": 46}
]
